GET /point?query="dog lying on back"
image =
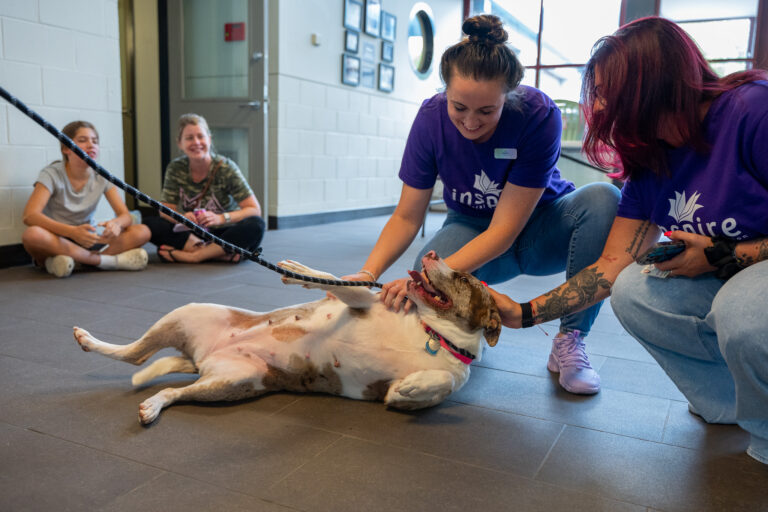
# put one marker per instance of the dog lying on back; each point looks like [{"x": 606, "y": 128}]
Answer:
[{"x": 353, "y": 346}]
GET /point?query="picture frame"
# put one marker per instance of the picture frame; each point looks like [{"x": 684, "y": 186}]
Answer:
[
  {"x": 369, "y": 51},
  {"x": 388, "y": 26},
  {"x": 386, "y": 78},
  {"x": 350, "y": 70},
  {"x": 351, "y": 41},
  {"x": 353, "y": 15},
  {"x": 368, "y": 76},
  {"x": 387, "y": 51},
  {"x": 373, "y": 17}
]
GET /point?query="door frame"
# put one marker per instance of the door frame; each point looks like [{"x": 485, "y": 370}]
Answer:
[{"x": 171, "y": 76}]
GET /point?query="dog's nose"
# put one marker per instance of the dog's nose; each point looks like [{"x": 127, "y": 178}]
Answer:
[{"x": 432, "y": 255}]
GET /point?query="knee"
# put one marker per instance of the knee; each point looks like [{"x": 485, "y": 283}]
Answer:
[
  {"x": 33, "y": 236},
  {"x": 602, "y": 199},
  {"x": 140, "y": 233}
]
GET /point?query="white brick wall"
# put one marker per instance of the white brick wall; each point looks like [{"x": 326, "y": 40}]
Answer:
[
  {"x": 337, "y": 149},
  {"x": 62, "y": 59}
]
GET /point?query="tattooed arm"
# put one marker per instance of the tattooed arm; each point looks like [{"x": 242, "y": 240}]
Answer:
[{"x": 627, "y": 239}]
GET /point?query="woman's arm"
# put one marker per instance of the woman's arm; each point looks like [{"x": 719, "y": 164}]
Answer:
[
  {"x": 627, "y": 239},
  {"x": 516, "y": 204},
  {"x": 122, "y": 220},
  {"x": 399, "y": 231}
]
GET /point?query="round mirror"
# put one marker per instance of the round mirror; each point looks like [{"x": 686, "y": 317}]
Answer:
[{"x": 421, "y": 39}]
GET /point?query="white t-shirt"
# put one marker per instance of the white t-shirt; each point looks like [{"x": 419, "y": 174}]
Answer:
[{"x": 66, "y": 205}]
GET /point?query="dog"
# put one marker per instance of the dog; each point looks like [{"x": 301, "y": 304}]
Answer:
[{"x": 347, "y": 344}]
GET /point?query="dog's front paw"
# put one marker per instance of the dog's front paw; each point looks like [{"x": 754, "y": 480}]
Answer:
[{"x": 429, "y": 385}]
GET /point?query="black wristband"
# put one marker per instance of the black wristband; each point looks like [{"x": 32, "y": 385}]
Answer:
[
  {"x": 527, "y": 310},
  {"x": 721, "y": 256}
]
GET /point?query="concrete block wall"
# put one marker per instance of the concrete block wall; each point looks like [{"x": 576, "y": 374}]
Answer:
[
  {"x": 61, "y": 58},
  {"x": 337, "y": 148},
  {"x": 334, "y": 147}
]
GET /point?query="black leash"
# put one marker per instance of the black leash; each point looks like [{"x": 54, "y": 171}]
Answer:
[{"x": 138, "y": 194}]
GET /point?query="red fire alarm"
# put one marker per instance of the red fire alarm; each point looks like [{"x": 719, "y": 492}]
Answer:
[{"x": 234, "y": 32}]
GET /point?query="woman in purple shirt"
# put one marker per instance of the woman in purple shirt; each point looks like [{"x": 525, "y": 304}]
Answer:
[
  {"x": 495, "y": 145},
  {"x": 693, "y": 149}
]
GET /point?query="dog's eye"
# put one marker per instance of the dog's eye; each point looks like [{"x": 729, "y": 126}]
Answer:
[{"x": 464, "y": 279}]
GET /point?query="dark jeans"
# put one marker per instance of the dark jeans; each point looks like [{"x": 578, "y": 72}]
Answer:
[{"x": 246, "y": 233}]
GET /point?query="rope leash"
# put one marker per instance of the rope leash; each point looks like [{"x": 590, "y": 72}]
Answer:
[{"x": 139, "y": 195}]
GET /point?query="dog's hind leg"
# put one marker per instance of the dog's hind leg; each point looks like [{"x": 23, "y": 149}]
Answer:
[
  {"x": 165, "y": 365},
  {"x": 230, "y": 380},
  {"x": 156, "y": 338}
]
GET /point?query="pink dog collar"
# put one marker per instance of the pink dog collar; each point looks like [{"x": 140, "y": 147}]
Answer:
[{"x": 461, "y": 354}]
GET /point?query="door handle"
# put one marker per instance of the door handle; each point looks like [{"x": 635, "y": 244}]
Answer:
[{"x": 253, "y": 105}]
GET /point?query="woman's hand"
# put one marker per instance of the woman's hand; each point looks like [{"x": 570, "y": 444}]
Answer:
[
  {"x": 393, "y": 295},
  {"x": 692, "y": 261},
  {"x": 509, "y": 310}
]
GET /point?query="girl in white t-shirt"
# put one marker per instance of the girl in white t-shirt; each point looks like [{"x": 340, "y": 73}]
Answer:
[{"x": 59, "y": 215}]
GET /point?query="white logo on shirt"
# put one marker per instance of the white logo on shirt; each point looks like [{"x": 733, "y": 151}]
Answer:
[
  {"x": 488, "y": 196},
  {"x": 682, "y": 210}
]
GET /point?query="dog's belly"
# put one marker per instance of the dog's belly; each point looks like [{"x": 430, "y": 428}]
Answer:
[{"x": 324, "y": 347}]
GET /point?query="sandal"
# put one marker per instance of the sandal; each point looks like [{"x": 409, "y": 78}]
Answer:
[{"x": 169, "y": 250}]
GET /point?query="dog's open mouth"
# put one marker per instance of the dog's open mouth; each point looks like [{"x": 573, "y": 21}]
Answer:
[{"x": 429, "y": 293}]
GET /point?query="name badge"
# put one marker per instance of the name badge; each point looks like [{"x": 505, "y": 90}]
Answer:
[{"x": 505, "y": 153}]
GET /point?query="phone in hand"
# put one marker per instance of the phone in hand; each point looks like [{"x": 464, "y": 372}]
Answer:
[{"x": 661, "y": 251}]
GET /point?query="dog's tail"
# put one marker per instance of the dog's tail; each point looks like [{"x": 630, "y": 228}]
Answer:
[{"x": 164, "y": 365}]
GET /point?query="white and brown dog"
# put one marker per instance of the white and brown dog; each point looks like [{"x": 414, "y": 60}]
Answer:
[{"x": 354, "y": 346}]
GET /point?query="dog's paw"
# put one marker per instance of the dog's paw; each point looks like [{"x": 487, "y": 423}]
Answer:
[
  {"x": 83, "y": 338},
  {"x": 150, "y": 409},
  {"x": 426, "y": 385},
  {"x": 298, "y": 268}
]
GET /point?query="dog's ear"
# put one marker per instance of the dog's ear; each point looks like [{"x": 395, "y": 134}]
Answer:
[{"x": 492, "y": 327}]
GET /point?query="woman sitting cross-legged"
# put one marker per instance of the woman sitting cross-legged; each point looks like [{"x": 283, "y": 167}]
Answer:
[
  {"x": 60, "y": 215},
  {"x": 210, "y": 190}
]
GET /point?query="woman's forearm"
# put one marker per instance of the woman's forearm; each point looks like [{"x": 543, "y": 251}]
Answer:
[{"x": 581, "y": 291}]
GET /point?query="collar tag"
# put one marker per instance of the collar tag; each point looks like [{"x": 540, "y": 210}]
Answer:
[{"x": 505, "y": 153}]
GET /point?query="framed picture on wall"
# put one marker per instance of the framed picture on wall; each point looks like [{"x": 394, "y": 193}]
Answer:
[
  {"x": 373, "y": 17},
  {"x": 387, "y": 51},
  {"x": 353, "y": 15},
  {"x": 368, "y": 76},
  {"x": 386, "y": 78},
  {"x": 369, "y": 51},
  {"x": 350, "y": 70},
  {"x": 351, "y": 41},
  {"x": 388, "y": 26}
]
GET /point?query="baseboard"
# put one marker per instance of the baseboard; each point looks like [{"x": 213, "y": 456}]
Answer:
[
  {"x": 13, "y": 256},
  {"x": 312, "y": 219}
]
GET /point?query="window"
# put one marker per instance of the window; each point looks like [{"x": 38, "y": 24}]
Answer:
[
  {"x": 553, "y": 40},
  {"x": 725, "y": 31}
]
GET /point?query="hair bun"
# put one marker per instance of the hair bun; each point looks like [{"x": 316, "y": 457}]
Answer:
[{"x": 485, "y": 28}]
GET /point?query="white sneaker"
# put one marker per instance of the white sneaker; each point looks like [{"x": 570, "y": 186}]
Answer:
[
  {"x": 135, "y": 259},
  {"x": 59, "y": 265}
]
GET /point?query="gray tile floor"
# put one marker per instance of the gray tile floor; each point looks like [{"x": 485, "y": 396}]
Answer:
[{"x": 510, "y": 440}]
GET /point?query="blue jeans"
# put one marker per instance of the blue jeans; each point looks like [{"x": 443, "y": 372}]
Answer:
[
  {"x": 566, "y": 234},
  {"x": 711, "y": 339}
]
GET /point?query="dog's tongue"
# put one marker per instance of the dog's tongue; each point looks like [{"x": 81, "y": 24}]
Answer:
[{"x": 416, "y": 276}]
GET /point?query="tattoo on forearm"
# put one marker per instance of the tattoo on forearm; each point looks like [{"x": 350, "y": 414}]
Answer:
[
  {"x": 577, "y": 293},
  {"x": 744, "y": 259},
  {"x": 640, "y": 233}
]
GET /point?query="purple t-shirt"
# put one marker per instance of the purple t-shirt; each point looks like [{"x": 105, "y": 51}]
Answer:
[
  {"x": 523, "y": 150},
  {"x": 724, "y": 192}
]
